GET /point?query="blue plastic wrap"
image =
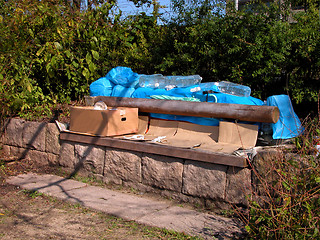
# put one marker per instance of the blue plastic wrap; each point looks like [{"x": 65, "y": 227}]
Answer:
[
  {"x": 101, "y": 87},
  {"x": 147, "y": 92},
  {"x": 123, "y": 76},
  {"x": 227, "y": 98},
  {"x": 196, "y": 120},
  {"x": 183, "y": 91},
  {"x": 175, "y": 92},
  {"x": 120, "y": 91},
  {"x": 289, "y": 125},
  {"x": 166, "y": 97}
]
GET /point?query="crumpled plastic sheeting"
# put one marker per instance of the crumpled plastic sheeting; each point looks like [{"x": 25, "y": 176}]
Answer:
[
  {"x": 123, "y": 76},
  {"x": 288, "y": 125},
  {"x": 120, "y": 91},
  {"x": 101, "y": 87}
]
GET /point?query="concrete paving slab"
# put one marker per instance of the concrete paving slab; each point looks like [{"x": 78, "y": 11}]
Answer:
[
  {"x": 113, "y": 203},
  {"x": 189, "y": 221},
  {"x": 135, "y": 207},
  {"x": 142, "y": 210},
  {"x": 48, "y": 184}
]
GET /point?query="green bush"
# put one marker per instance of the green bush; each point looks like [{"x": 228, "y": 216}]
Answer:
[
  {"x": 51, "y": 52},
  {"x": 259, "y": 50},
  {"x": 287, "y": 206}
]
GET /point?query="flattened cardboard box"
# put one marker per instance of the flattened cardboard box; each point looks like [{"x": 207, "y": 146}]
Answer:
[
  {"x": 110, "y": 122},
  {"x": 225, "y": 138}
]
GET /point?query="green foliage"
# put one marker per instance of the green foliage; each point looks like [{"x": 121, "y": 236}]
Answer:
[
  {"x": 32, "y": 194},
  {"x": 289, "y": 205},
  {"x": 305, "y": 64},
  {"x": 292, "y": 215},
  {"x": 50, "y": 52},
  {"x": 272, "y": 48}
]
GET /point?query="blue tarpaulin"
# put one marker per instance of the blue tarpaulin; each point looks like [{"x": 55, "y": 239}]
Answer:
[
  {"x": 101, "y": 87},
  {"x": 123, "y": 76},
  {"x": 289, "y": 125},
  {"x": 120, "y": 91}
]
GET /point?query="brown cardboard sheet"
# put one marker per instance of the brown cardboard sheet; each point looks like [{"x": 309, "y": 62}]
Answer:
[
  {"x": 191, "y": 135},
  {"x": 226, "y": 138},
  {"x": 161, "y": 128},
  {"x": 153, "y": 129},
  {"x": 242, "y": 135},
  {"x": 143, "y": 124},
  {"x": 233, "y": 136}
]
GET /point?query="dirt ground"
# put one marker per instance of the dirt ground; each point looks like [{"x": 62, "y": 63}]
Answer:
[{"x": 31, "y": 215}]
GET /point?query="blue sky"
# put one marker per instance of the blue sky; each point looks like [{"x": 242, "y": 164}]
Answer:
[{"x": 128, "y": 7}]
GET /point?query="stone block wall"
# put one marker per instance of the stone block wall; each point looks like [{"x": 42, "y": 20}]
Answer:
[
  {"x": 36, "y": 141},
  {"x": 181, "y": 179}
]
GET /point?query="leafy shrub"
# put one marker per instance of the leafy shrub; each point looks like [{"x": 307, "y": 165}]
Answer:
[
  {"x": 50, "y": 52},
  {"x": 288, "y": 203}
]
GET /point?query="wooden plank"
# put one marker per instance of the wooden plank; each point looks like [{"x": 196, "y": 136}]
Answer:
[{"x": 190, "y": 154}]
